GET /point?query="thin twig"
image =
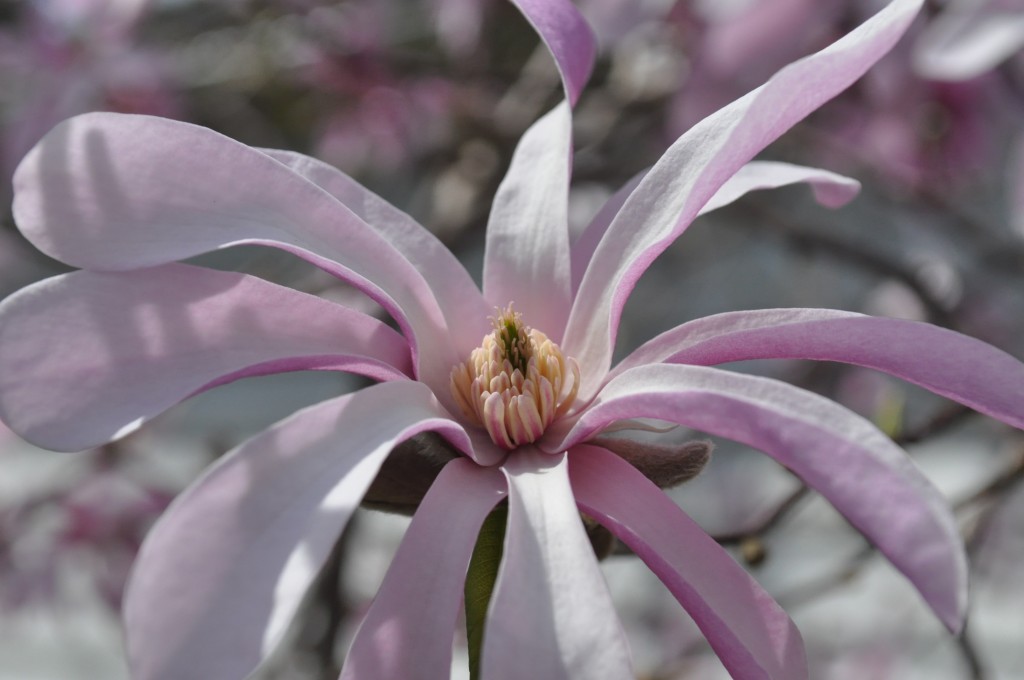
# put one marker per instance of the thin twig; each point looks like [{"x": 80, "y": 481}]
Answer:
[
  {"x": 774, "y": 519},
  {"x": 970, "y": 655},
  {"x": 946, "y": 418},
  {"x": 852, "y": 253}
]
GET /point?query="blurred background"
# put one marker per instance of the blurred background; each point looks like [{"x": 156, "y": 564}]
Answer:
[{"x": 423, "y": 102}]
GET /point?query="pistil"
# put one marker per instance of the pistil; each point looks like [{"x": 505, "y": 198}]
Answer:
[{"x": 516, "y": 383}]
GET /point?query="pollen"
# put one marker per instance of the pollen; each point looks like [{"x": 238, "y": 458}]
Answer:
[{"x": 516, "y": 383}]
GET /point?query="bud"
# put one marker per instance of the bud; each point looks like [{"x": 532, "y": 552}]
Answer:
[{"x": 667, "y": 465}]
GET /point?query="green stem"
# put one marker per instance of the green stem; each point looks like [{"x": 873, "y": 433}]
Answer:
[{"x": 483, "y": 572}]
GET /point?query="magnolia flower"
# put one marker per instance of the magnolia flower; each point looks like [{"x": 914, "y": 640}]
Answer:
[{"x": 88, "y": 356}]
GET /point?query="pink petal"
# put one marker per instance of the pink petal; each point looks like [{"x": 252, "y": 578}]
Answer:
[
  {"x": 407, "y": 633},
  {"x": 528, "y": 230},
  {"x": 464, "y": 308},
  {"x": 86, "y": 357},
  {"x": 551, "y": 615},
  {"x": 748, "y": 630},
  {"x": 222, "y": 572},
  {"x": 848, "y": 460},
  {"x": 943, "y": 361},
  {"x": 107, "y": 191},
  {"x": 830, "y": 190},
  {"x": 969, "y": 38},
  {"x": 567, "y": 36},
  {"x": 697, "y": 165}
]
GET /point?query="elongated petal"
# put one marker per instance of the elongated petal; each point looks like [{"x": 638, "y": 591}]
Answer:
[
  {"x": 943, "y": 361},
  {"x": 551, "y": 616},
  {"x": 848, "y": 460},
  {"x": 748, "y": 630},
  {"x": 567, "y": 36},
  {"x": 86, "y": 357},
  {"x": 106, "y": 191},
  {"x": 969, "y": 38},
  {"x": 528, "y": 230},
  {"x": 222, "y": 572},
  {"x": 697, "y": 165},
  {"x": 458, "y": 296},
  {"x": 831, "y": 190},
  {"x": 407, "y": 633}
]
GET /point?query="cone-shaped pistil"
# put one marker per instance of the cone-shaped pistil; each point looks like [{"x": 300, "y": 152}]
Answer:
[{"x": 516, "y": 383}]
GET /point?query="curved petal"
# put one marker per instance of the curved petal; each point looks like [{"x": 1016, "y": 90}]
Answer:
[
  {"x": 527, "y": 251},
  {"x": 956, "y": 366},
  {"x": 748, "y": 630},
  {"x": 697, "y": 165},
  {"x": 969, "y": 38},
  {"x": 551, "y": 615},
  {"x": 830, "y": 189},
  {"x": 848, "y": 460},
  {"x": 107, "y": 191},
  {"x": 407, "y": 633},
  {"x": 568, "y": 37},
  {"x": 222, "y": 572},
  {"x": 86, "y": 357},
  {"x": 458, "y": 296}
]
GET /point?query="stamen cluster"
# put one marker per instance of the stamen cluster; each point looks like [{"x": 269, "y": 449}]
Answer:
[{"x": 516, "y": 383}]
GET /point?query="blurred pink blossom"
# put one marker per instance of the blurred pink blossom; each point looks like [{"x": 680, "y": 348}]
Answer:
[
  {"x": 919, "y": 133},
  {"x": 95, "y": 511},
  {"x": 970, "y": 38},
  {"x": 67, "y": 57},
  {"x": 926, "y": 117}
]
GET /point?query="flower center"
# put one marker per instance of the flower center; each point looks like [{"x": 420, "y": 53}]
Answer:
[{"x": 515, "y": 383}]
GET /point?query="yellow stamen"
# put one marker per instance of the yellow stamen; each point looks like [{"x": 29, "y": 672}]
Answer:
[{"x": 516, "y": 383}]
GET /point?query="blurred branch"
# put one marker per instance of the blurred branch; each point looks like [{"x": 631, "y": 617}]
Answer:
[
  {"x": 970, "y": 655},
  {"x": 953, "y": 414},
  {"x": 994, "y": 493},
  {"x": 845, "y": 251},
  {"x": 781, "y": 511}
]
